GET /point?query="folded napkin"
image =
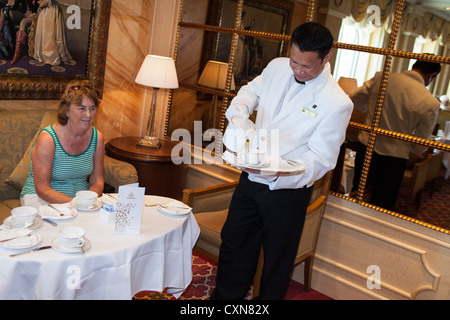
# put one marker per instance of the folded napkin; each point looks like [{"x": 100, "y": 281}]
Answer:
[
  {"x": 12, "y": 233},
  {"x": 174, "y": 207},
  {"x": 19, "y": 237},
  {"x": 65, "y": 208},
  {"x": 106, "y": 198}
]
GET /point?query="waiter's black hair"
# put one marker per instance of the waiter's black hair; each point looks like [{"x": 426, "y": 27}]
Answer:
[{"x": 312, "y": 36}]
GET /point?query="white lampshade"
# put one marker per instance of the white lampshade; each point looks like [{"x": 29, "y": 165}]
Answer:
[
  {"x": 215, "y": 75},
  {"x": 158, "y": 72}
]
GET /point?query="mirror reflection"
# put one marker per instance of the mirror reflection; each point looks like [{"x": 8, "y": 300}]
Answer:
[
  {"x": 422, "y": 30},
  {"x": 408, "y": 108}
]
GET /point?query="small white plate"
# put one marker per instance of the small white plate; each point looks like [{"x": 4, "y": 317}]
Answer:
[
  {"x": 174, "y": 209},
  {"x": 56, "y": 244},
  {"x": 97, "y": 205},
  {"x": 19, "y": 243},
  {"x": 37, "y": 223},
  {"x": 50, "y": 213}
]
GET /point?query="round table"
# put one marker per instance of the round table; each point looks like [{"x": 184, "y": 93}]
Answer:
[{"x": 116, "y": 266}]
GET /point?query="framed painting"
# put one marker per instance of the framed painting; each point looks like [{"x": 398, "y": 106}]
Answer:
[
  {"x": 252, "y": 53},
  {"x": 45, "y": 44}
]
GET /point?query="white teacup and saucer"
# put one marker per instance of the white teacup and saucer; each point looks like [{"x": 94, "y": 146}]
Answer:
[
  {"x": 23, "y": 217},
  {"x": 71, "y": 239},
  {"x": 86, "y": 201}
]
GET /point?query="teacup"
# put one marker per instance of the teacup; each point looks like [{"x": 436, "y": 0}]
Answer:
[
  {"x": 253, "y": 157},
  {"x": 24, "y": 216},
  {"x": 86, "y": 199},
  {"x": 72, "y": 237}
]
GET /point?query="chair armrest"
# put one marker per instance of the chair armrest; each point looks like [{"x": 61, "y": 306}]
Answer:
[
  {"x": 214, "y": 198},
  {"x": 117, "y": 172}
]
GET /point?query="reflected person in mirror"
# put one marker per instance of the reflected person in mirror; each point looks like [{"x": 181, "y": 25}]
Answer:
[
  {"x": 299, "y": 101},
  {"x": 444, "y": 102},
  {"x": 408, "y": 108},
  {"x": 67, "y": 155}
]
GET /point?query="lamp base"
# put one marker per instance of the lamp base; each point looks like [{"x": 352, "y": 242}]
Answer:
[{"x": 149, "y": 142}]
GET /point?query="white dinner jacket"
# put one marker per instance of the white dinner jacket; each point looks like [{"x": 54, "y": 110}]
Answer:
[{"x": 309, "y": 128}]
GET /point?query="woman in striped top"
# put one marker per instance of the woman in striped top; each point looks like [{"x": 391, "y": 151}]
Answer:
[{"x": 67, "y": 156}]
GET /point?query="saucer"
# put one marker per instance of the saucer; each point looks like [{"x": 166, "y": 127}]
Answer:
[
  {"x": 37, "y": 223},
  {"x": 20, "y": 243},
  {"x": 48, "y": 212},
  {"x": 97, "y": 205},
  {"x": 56, "y": 244}
]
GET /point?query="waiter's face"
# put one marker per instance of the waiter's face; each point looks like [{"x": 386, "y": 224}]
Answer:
[{"x": 306, "y": 64}]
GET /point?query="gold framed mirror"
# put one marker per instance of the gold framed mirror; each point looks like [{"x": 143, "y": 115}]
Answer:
[{"x": 399, "y": 32}]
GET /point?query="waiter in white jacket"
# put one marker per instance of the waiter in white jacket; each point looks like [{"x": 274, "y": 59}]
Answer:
[{"x": 298, "y": 99}]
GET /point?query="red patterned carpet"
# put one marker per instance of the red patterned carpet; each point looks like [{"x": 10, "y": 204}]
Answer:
[
  {"x": 204, "y": 281},
  {"x": 434, "y": 210}
]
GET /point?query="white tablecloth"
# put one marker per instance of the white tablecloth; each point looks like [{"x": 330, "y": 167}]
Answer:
[{"x": 115, "y": 267}]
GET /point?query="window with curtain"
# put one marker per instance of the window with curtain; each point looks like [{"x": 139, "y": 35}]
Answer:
[{"x": 349, "y": 62}]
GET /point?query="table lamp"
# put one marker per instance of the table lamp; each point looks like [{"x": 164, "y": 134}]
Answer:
[
  {"x": 156, "y": 72},
  {"x": 215, "y": 76}
]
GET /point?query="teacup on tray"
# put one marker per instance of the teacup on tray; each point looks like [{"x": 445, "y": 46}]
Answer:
[
  {"x": 23, "y": 217},
  {"x": 86, "y": 199},
  {"x": 254, "y": 157}
]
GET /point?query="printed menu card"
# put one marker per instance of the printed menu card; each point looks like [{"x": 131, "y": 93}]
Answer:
[{"x": 129, "y": 209}]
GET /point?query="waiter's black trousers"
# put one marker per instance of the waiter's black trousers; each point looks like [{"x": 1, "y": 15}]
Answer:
[{"x": 260, "y": 216}]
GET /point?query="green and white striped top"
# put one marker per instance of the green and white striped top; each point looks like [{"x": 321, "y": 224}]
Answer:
[{"x": 69, "y": 172}]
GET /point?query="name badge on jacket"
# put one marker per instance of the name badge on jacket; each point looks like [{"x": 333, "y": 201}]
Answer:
[{"x": 308, "y": 112}]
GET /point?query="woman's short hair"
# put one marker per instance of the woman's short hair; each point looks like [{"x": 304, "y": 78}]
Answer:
[{"x": 74, "y": 94}]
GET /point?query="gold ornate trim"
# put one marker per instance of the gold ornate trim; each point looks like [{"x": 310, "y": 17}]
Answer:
[
  {"x": 401, "y": 136},
  {"x": 392, "y": 213},
  {"x": 218, "y": 92},
  {"x": 241, "y": 32}
]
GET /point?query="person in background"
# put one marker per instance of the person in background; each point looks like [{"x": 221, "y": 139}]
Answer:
[
  {"x": 444, "y": 102},
  {"x": 299, "y": 101},
  {"x": 25, "y": 10},
  {"x": 67, "y": 155},
  {"x": 50, "y": 42},
  {"x": 408, "y": 108}
]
